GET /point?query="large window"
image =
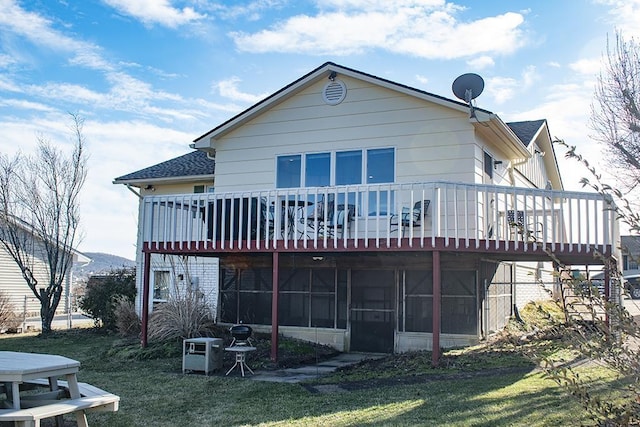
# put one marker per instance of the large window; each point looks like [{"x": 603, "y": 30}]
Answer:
[
  {"x": 288, "y": 171},
  {"x": 372, "y": 166},
  {"x": 380, "y": 170},
  {"x": 317, "y": 172}
]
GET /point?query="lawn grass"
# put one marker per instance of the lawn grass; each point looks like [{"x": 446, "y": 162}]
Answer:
[{"x": 154, "y": 392}]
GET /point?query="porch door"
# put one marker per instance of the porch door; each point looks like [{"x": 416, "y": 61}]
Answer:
[{"x": 372, "y": 310}]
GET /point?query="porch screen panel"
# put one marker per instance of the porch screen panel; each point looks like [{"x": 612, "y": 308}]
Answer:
[
  {"x": 418, "y": 301},
  {"x": 323, "y": 298},
  {"x": 228, "y": 295},
  {"x": 459, "y": 307},
  {"x": 341, "y": 298},
  {"x": 293, "y": 307},
  {"x": 255, "y": 296}
]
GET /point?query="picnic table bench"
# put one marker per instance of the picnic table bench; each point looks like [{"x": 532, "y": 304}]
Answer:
[{"x": 47, "y": 405}]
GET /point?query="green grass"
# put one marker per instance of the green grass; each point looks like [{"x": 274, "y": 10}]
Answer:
[{"x": 154, "y": 392}]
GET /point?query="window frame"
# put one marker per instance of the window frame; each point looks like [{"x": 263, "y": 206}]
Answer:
[
  {"x": 169, "y": 281},
  {"x": 333, "y": 155}
]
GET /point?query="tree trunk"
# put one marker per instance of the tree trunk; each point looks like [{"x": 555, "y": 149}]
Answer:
[{"x": 46, "y": 312}]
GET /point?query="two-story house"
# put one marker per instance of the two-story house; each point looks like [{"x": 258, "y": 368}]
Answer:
[{"x": 368, "y": 215}]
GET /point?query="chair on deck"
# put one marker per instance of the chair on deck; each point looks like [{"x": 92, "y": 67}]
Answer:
[
  {"x": 518, "y": 225},
  {"x": 410, "y": 217},
  {"x": 336, "y": 217},
  {"x": 340, "y": 218}
]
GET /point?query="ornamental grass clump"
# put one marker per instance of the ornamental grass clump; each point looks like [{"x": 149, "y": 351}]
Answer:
[{"x": 184, "y": 315}]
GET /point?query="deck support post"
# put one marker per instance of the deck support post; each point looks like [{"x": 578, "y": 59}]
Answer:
[
  {"x": 437, "y": 287},
  {"x": 607, "y": 294},
  {"x": 274, "y": 309},
  {"x": 145, "y": 298}
]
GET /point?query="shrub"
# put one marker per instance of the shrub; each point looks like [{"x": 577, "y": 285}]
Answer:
[
  {"x": 9, "y": 320},
  {"x": 182, "y": 316},
  {"x": 127, "y": 320},
  {"x": 99, "y": 301}
]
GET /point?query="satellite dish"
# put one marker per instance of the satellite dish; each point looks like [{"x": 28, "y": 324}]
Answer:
[{"x": 467, "y": 87}]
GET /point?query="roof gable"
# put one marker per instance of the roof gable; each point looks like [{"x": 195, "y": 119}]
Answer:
[{"x": 320, "y": 73}]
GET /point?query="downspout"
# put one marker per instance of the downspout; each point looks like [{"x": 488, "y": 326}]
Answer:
[
  {"x": 511, "y": 168},
  {"x": 130, "y": 188}
]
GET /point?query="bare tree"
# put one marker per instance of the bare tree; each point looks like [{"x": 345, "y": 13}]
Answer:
[
  {"x": 615, "y": 115},
  {"x": 597, "y": 328},
  {"x": 39, "y": 215}
]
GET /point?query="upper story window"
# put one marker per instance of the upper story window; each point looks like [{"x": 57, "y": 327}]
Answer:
[
  {"x": 161, "y": 281},
  {"x": 488, "y": 168},
  {"x": 317, "y": 171},
  {"x": 371, "y": 166},
  {"x": 289, "y": 171}
]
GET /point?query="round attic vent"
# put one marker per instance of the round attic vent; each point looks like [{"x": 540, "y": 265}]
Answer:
[{"x": 334, "y": 92}]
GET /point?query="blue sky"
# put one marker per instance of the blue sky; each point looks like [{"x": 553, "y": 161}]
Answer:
[{"x": 148, "y": 76}]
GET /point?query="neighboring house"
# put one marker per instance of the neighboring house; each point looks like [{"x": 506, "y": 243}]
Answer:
[
  {"x": 13, "y": 284},
  {"x": 630, "y": 246},
  {"x": 368, "y": 215}
]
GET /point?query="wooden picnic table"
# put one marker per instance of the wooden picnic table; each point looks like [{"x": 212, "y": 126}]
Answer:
[{"x": 18, "y": 369}]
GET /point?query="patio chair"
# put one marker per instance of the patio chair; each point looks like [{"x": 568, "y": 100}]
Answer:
[
  {"x": 518, "y": 225},
  {"x": 340, "y": 218},
  {"x": 410, "y": 217}
]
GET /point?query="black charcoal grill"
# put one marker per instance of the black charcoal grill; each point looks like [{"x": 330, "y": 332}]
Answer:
[{"x": 241, "y": 334}]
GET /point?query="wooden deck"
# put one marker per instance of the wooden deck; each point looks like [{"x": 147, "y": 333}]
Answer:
[{"x": 503, "y": 222}]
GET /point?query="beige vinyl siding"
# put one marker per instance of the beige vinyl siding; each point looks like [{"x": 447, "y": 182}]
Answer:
[
  {"x": 13, "y": 284},
  {"x": 175, "y": 188},
  {"x": 432, "y": 142}
]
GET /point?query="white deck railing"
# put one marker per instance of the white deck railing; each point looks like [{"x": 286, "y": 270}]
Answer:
[{"x": 380, "y": 215}]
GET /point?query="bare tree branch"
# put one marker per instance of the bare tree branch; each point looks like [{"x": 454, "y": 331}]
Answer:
[{"x": 40, "y": 215}]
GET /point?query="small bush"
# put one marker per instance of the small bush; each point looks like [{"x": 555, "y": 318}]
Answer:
[
  {"x": 9, "y": 320},
  {"x": 182, "y": 316},
  {"x": 127, "y": 320},
  {"x": 102, "y": 292}
]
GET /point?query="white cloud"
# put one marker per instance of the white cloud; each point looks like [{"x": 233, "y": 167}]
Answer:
[
  {"x": 38, "y": 30},
  {"x": 503, "y": 89},
  {"x": 229, "y": 89},
  {"x": 422, "y": 79},
  {"x": 427, "y": 29},
  {"x": 156, "y": 12},
  {"x": 586, "y": 66},
  {"x": 481, "y": 62},
  {"x": 25, "y": 105},
  {"x": 625, "y": 15}
]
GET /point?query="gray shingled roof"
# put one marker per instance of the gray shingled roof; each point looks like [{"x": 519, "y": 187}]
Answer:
[
  {"x": 526, "y": 130},
  {"x": 191, "y": 164}
]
